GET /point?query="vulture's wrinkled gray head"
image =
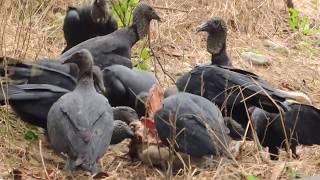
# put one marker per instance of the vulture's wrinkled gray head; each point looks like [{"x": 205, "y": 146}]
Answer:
[
  {"x": 142, "y": 16},
  {"x": 98, "y": 79},
  {"x": 121, "y": 131},
  {"x": 217, "y": 34},
  {"x": 83, "y": 59},
  {"x": 101, "y": 11}
]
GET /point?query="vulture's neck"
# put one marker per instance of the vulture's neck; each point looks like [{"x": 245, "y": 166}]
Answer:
[
  {"x": 133, "y": 35},
  {"x": 221, "y": 58}
]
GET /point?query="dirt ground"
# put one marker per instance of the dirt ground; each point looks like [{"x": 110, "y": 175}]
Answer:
[{"x": 32, "y": 29}]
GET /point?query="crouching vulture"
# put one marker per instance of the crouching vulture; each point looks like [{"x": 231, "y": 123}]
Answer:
[{"x": 194, "y": 124}]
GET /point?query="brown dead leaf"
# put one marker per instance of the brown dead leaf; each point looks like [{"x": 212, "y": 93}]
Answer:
[{"x": 17, "y": 174}]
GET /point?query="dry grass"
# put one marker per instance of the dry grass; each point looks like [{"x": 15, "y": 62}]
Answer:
[{"x": 31, "y": 29}]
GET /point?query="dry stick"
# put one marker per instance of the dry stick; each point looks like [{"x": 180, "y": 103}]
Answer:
[
  {"x": 171, "y": 146},
  {"x": 254, "y": 134},
  {"x": 27, "y": 38},
  {"x": 18, "y": 30},
  {"x": 42, "y": 160},
  {"x": 45, "y": 11},
  {"x": 173, "y": 9},
  {"x": 154, "y": 63},
  {"x": 24, "y": 32},
  {"x": 217, "y": 170},
  {"x": 155, "y": 56},
  {"x": 36, "y": 25}
]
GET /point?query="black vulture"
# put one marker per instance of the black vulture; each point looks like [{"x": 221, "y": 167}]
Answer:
[
  {"x": 80, "y": 123},
  {"x": 216, "y": 41},
  {"x": 125, "y": 114},
  {"x": 121, "y": 132},
  {"x": 233, "y": 90},
  {"x": 127, "y": 87},
  {"x": 194, "y": 123},
  {"x": 32, "y": 102},
  {"x": 85, "y": 22},
  {"x": 115, "y": 48},
  {"x": 301, "y": 122}
]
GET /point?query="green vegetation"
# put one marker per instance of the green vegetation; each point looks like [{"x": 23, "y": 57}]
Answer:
[
  {"x": 254, "y": 50},
  {"x": 122, "y": 10},
  {"x": 145, "y": 60},
  {"x": 30, "y": 135},
  {"x": 296, "y": 22},
  {"x": 291, "y": 173},
  {"x": 251, "y": 177}
]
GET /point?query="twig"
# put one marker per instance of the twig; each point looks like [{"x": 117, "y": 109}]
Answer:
[
  {"x": 42, "y": 160},
  {"x": 154, "y": 55},
  {"x": 173, "y": 9},
  {"x": 118, "y": 13}
]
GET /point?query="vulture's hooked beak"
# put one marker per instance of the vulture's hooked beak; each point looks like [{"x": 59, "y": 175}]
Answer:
[
  {"x": 203, "y": 27},
  {"x": 68, "y": 59},
  {"x": 155, "y": 16},
  {"x": 102, "y": 88},
  {"x": 99, "y": 84}
]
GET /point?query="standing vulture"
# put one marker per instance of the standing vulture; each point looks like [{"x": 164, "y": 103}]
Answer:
[
  {"x": 126, "y": 87},
  {"x": 85, "y": 22},
  {"x": 115, "y": 48},
  {"x": 194, "y": 124},
  {"x": 233, "y": 90},
  {"x": 80, "y": 123}
]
